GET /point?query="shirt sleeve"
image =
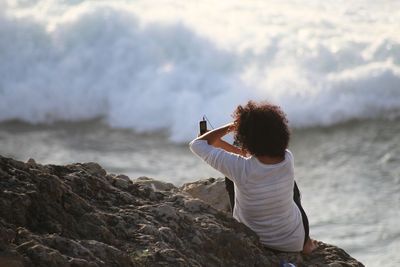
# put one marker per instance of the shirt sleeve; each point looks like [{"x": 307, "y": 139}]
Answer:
[{"x": 229, "y": 164}]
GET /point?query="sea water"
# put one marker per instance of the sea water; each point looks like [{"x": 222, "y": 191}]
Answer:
[
  {"x": 349, "y": 173},
  {"x": 124, "y": 83}
]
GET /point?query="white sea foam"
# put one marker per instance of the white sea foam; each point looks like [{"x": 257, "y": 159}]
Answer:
[{"x": 150, "y": 65}]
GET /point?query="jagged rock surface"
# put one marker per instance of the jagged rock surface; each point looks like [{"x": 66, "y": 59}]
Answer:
[{"x": 78, "y": 215}]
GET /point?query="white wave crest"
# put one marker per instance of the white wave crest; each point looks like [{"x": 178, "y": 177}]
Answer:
[{"x": 149, "y": 72}]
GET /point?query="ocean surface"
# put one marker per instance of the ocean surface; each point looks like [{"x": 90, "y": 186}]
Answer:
[{"x": 124, "y": 83}]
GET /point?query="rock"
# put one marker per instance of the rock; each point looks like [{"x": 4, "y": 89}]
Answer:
[
  {"x": 94, "y": 168},
  {"x": 211, "y": 191},
  {"x": 121, "y": 183},
  {"x": 107, "y": 254},
  {"x": 195, "y": 205},
  {"x": 165, "y": 212},
  {"x": 154, "y": 184},
  {"x": 123, "y": 177},
  {"x": 37, "y": 254},
  {"x": 8, "y": 259},
  {"x": 31, "y": 162},
  {"x": 149, "y": 230},
  {"x": 167, "y": 235},
  {"x": 78, "y": 215}
]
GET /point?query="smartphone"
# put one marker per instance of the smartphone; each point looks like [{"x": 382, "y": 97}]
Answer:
[{"x": 203, "y": 127}]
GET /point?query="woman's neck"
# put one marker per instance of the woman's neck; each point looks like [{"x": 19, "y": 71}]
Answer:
[{"x": 270, "y": 160}]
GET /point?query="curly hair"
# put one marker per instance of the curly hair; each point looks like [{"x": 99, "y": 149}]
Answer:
[{"x": 261, "y": 129}]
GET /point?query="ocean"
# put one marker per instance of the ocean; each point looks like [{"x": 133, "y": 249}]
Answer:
[{"x": 124, "y": 83}]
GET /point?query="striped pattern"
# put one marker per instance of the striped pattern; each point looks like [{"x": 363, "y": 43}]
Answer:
[{"x": 263, "y": 195}]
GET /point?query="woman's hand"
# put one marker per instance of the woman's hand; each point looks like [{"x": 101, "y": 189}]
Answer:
[
  {"x": 231, "y": 126},
  {"x": 215, "y": 134},
  {"x": 213, "y": 138}
]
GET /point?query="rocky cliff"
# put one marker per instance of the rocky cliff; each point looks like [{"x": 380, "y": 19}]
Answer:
[{"x": 78, "y": 215}]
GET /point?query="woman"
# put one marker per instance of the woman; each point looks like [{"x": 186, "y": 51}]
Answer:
[{"x": 262, "y": 170}]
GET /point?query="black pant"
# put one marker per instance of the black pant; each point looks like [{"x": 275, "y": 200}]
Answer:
[{"x": 296, "y": 197}]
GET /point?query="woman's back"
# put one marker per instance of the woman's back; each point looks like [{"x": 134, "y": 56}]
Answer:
[{"x": 264, "y": 202}]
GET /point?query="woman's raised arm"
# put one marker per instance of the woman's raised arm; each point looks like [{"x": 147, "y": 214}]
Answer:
[{"x": 214, "y": 138}]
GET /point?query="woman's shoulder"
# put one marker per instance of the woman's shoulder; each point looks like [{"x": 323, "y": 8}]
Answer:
[{"x": 288, "y": 154}]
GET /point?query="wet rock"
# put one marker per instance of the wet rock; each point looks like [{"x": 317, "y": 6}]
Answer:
[{"x": 78, "y": 215}]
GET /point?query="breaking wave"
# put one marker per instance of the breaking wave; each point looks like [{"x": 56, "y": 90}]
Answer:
[{"x": 115, "y": 61}]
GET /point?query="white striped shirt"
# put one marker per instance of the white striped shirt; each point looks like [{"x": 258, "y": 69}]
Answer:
[{"x": 263, "y": 195}]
